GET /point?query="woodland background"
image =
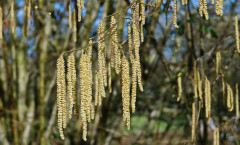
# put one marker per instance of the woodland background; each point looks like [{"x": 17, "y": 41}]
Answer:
[{"x": 28, "y": 74}]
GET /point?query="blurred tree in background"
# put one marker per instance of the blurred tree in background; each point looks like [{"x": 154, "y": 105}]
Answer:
[{"x": 30, "y": 48}]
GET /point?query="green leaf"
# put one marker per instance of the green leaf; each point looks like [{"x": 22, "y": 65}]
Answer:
[{"x": 213, "y": 33}]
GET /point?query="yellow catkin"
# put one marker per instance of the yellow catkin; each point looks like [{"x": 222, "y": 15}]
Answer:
[
  {"x": 12, "y": 17},
  {"x": 193, "y": 120},
  {"x": 207, "y": 98},
  {"x": 126, "y": 91},
  {"x": 86, "y": 91},
  {"x": 200, "y": 3},
  {"x": 179, "y": 80},
  {"x": 101, "y": 61},
  {"x": 82, "y": 4},
  {"x": 195, "y": 80},
  {"x": 92, "y": 111},
  {"x": 136, "y": 47},
  {"x": 74, "y": 27},
  {"x": 143, "y": 17},
  {"x": 212, "y": 2},
  {"x": 70, "y": 17},
  {"x": 218, "y": 62},
  {"x": 223, "y": 90},
  {"x": 183, "y": 2},
  {"x": 158, "y": 3},
  {"x": 200, "y": 89},
  {"x": 96, "y": 89},
  {"x": 134, "y": 85},
  {"x": 114, "y": 41},
  {"x": 61, "y": 94},
  {"x": 186, "y": 2},
  {"x": 205, "y": 12},
  {"x": 175, "y": 13},
  {"x": 1, "y": 23},
  {"x": 29, "y": 9},
  {"x": 237, "y": 100},
  {"x": 109, "y": 78},
  {"x": 229, "y": 98},
  {"x": 219, "y": 7},
  {"x": 71, "y": 82},
  {"x": 216, "y": 137},
  {"x": 130, "y": 42},
  {"x": 79, "y": 7},
  {"x": 237, "y": 34}
]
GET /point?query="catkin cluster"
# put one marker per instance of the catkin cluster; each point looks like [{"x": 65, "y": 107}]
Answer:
[
  {"x": 219, "y": 7},
  {"x": 61, "y": 95},
  {"x": 1, "y": 23},
  {"x": 207, "y": 97},
  {"x": 126, "y": 91},
  {"x": 229, "y": 98},
  {"x": 216, "y": 137},
  {"x": 116, "y": 61},
  {"x": 86, "y": 92},
  {"x": 237, "y": 34},
  {"x": 205, "y": 12}
]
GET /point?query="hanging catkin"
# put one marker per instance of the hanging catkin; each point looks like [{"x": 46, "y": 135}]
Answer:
[
  {"x": 71, "y": 79},
  {"x": 126, "y": 91},
  {"x": 86, "y": 91},
  {"x": 79, "y": 7},
  {"x": 229, "y": 98},
  {"x": 109, "y": 78},
  {"x": 1, "y": 22},
  {"x": 179, "y": 80},
  {"x": 195, "y": 80},
  {"x": 207, "y": 98},
  {"x": 12, "y": 17},
  {"x": 175, "y": 13},
  {"x": 200, "y": 89},
  {"x": 219, "y": 7},
  {"x": 143, "y": 17},
  {"x": 205, "y": 11},
  {"x": 218, "y": 62},
  {"x": 237, "y": 34},
  {"x": 70, "y": 17},
  {"x": 101, "y": 60},
  {"x": 193, "y": 121},
  {"x": 183, "y": 2},
  {"x": 74, "y": 27},
  {"x": 212, "y": 2},
  {"x": 134, "y": 85},
  {"x": 130, "y": 42},
  {"x": 237, "y": 100},
  {"x": 216, "y": 137},
  {"x": 61, "y": 94},
  {"x": 114, "y": 41},
  {"x": 200, "y": 3},
  {"x": 136, "y": 46}
]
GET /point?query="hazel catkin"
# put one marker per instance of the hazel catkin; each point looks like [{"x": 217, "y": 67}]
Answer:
[
  {"x": 126, "y": 91},
  {"x": 61, "y": 94}
]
